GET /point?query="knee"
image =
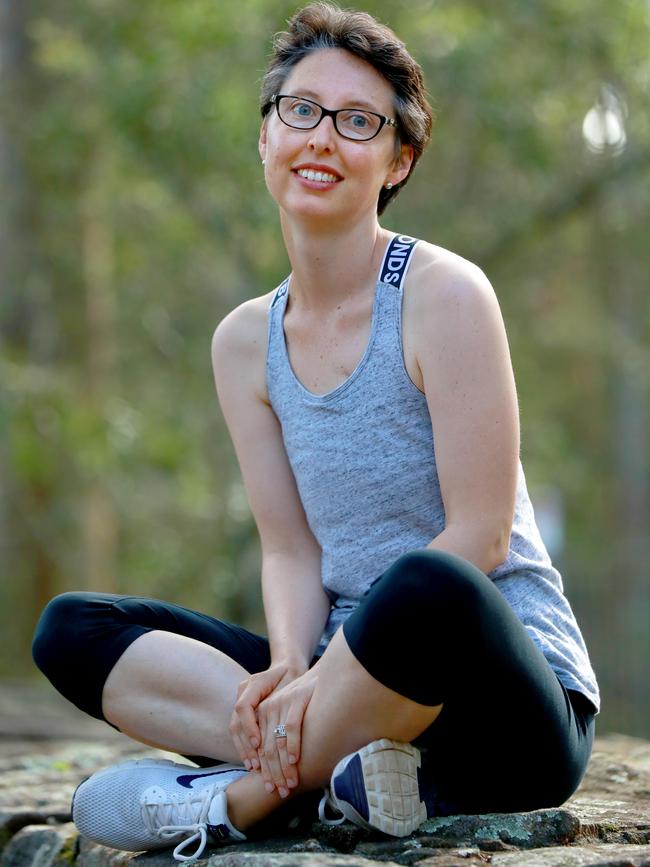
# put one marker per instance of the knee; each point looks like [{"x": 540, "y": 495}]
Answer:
[
  {"x": 54, "y": 631},
  {"x": 438, "y": 576}
]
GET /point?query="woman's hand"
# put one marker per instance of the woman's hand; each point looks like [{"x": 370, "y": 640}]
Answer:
[
  {"x": 243, "y": 723},
  {"x": 279, "y": 756}
]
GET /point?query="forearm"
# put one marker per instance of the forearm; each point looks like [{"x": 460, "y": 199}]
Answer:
[
  {"x": 295, "y": 605},
  {"x": 481, "y": 546}
]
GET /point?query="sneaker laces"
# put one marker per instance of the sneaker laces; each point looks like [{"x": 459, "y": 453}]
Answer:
[
  {"x": 180, "y": 815},
  {"x": 329, "y": 800}
]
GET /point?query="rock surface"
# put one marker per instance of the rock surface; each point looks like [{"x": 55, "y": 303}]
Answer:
[{"x": 46, "y": 748}]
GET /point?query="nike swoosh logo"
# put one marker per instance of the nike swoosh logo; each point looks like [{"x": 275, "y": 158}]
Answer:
[{"x": 186, "y": 780}]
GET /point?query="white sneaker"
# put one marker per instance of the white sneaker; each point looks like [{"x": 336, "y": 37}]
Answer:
[
  {"x": 152, "y": 804},
  {"x": 379, "y": 787}
]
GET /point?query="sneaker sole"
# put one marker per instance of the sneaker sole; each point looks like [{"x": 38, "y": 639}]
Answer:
[{"x": 383, "y": 783}]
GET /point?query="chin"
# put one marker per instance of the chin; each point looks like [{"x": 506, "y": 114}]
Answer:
[
  {"x": 322, "y": 211},
  {"x": 310, "y": 211}
]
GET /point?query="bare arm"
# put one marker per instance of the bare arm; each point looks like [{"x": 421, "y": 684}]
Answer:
[
  {"x": 295, "y": 604},
  {"x": 469, "y": 385}
]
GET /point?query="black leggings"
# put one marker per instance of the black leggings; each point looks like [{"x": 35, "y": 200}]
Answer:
[{"x": 433, "y": 628}]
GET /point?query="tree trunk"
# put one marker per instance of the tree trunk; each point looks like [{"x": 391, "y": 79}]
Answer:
[
  {"x": 628, "y": 647},
  {"x": 100, "y": 521},
  {"x": 26, "y": 334}
]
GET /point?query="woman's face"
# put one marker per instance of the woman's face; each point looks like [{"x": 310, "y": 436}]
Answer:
[{"x": 356, "y": 170}]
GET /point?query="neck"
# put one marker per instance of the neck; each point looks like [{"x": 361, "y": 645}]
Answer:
[{"x": 333, "y": 265}]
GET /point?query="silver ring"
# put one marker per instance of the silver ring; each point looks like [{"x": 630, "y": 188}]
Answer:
[{"x": 280, "y": 731}]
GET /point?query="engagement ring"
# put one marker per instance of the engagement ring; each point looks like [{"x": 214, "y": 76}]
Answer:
[{"x": 280, "y": 731}]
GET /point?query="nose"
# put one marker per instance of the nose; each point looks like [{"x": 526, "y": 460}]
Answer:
[{"x": 323, "y": 136}]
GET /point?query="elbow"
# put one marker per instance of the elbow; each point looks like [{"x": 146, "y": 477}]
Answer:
[
  {"x": 481, "y": 542},
  {"x": 500, "y": 546}
]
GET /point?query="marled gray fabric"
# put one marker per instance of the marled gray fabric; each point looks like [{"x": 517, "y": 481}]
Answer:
[{"x": 364, "y": 463}]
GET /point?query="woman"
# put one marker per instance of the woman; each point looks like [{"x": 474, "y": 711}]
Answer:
[{"x": 459, "y": 678}]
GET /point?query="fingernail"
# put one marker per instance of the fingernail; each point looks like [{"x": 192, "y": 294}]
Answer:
[
  {"x": 269, "y": 787},
  {"x": 292, "y": 783},
  {"x": 283, "y": 792},
  {"x": 256, "y": 763},
  {"x": 247, "y": 764},
  {"x": 254, "y": 743},
  {"x": 292, "y": 760}
]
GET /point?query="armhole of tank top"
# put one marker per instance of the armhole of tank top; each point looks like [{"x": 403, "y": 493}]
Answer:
[
  {"x": 399, "y": 321},
  {"x": 271, "y": 315}
]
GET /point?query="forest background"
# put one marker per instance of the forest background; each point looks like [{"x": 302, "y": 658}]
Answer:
[{"x": 133, "y": 217}]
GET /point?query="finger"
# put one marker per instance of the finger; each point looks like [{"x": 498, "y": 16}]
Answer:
[
  {"x": 295, "y": 720},
  {"x": 265, "y": 771},
  {"x": 278, "y": 762},
  {"x": 242, "y": 744},
  {"x": 242, "y": 752},
  {"x": 255, "y": 760},
  {"x": 289, "y": 771},
  {"x": 271, "y": 751},
  {"x": 247, "y": 757},
  {"x": 245, "y": 710},
  {"x": 263, "y": 762},
  {"x": 275, "y": 769},
  {"x": 294, "y": 733}
]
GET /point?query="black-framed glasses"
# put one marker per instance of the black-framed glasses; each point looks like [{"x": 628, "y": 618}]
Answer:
[{"x": 357, "y": 124}]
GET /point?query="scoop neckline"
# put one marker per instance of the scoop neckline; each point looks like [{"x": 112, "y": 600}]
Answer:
[{"x": 342, "y": 386}]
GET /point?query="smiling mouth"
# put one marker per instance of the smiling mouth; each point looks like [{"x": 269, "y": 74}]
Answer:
[{"x": 322, "y": 177}]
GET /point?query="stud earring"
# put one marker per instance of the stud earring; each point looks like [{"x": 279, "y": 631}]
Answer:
[
  {"x": 263, "y": 162},
  {"x": 389, "y": 186}
]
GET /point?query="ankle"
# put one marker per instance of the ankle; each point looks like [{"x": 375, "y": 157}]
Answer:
[{"x": 249, "y": 802}]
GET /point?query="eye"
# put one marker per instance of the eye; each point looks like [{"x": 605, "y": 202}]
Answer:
[
  {"x": 359, "y": 124},
  {"x": 360, "y": 121},
  {"x": 302, "y": 109}
]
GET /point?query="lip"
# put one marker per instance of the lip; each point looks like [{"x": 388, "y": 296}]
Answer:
[{"x": 318, "y": 167}]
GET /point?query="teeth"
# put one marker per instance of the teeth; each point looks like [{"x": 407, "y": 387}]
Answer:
[{"x": 317, "y": 176}]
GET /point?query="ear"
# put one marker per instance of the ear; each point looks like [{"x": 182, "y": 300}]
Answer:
[
  {"x": 401, "y": 165},
  {"x": 261, "y": 145}
]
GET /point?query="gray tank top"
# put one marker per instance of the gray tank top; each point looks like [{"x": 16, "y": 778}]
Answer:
[{"x": 364, "y": 463}]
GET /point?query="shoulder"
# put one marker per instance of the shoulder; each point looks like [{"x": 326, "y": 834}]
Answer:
[
  {"x": 439, "y": 278},
  {"x": 244, "y": 326},
  {"x": 451, "y": 316},
  {"x": 240, "y": 340},
  {"x": 448, "y": 295}
]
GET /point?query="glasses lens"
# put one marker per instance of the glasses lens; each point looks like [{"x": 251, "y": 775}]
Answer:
[
  {"x": 356, "y": 124},
  {"x": 300, "y": 113}
]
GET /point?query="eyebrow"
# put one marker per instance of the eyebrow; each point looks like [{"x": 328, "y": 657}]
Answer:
[{"x": 353, "y": 103}]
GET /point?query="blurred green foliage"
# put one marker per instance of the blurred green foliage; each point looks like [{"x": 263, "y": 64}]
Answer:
[{"x": 134, "y": 217}]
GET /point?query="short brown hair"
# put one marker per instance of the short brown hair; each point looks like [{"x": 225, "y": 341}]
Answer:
[{"x": 324, "y": 25}]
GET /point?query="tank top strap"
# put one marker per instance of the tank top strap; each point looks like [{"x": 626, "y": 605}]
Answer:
[
  {"x": 280, "y": 292},
  {"x": 276, "y": 366},
  {"x": 396, "y": 260},
  {"x": 388, "y": 349}
]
